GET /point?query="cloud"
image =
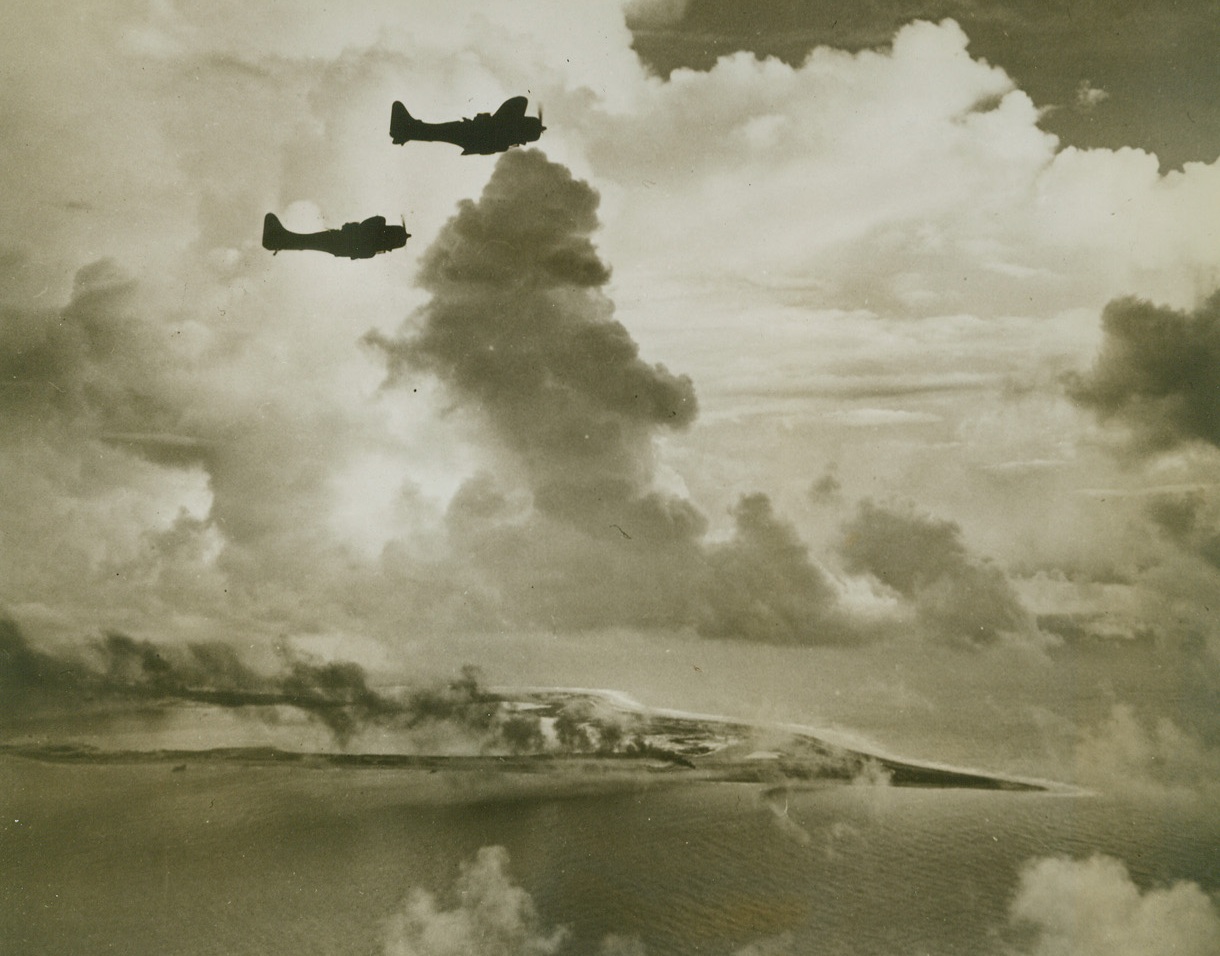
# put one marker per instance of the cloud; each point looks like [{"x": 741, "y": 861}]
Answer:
[
  {"x": 782, "y": 945},
  {"x": 614, "y": 945},
  {"x": 126, "y": 431},
  {"x": 491, "y": 916},
  {"x": 764, "y": 587},
  {"x": 1089, "y": 96},
  {"x": 827, "y": 487},
  {"x": 194, "y": 442},
  {"x": 959, "y": 598},
  {"x": 1093, "y": 907},
  {"x": 1130, "y": 753},
  {"x": 911, "y": 180},
  {"x": 96, "y": 361},
  {"x": 1191, "y": 522},
  {"x": 881, "y": 417},
  {"x": 524, "y": 341},
  {"x": 1157, "y": 374}
]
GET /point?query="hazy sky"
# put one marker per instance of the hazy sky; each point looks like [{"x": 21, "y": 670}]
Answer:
[{"x": 835, "y": 386}]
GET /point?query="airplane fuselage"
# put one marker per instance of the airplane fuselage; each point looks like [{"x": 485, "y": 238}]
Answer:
[
  {"x": 355, "y": 240},
  {"x": 485, "y": 134}
]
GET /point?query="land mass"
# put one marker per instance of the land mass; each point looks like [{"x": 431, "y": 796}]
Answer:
[{"x": 561, "y": 731}]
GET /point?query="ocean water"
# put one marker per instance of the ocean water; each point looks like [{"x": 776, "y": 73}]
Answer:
[{"x": 140, "y": 859}]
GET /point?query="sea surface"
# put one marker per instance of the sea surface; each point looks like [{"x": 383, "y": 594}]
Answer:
[{"x": 235, "y": 860}]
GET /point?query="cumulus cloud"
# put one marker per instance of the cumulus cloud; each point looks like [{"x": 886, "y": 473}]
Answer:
[
  {"x": 148, "y": 457},
  {"x": 491, "y": 916},
  {"x": 932, "y": 186},
  {"x": 1092, "y": 907},
  {"x": 959, "y": 598},
  {"x": 1157, "y": 374},
  {"x": 523, "y": 339}
]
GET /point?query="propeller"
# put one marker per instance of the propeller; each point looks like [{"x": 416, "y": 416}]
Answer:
[{"x": 543, "y": 125}]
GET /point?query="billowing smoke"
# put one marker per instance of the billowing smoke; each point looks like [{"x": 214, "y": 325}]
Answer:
[
  {"x": 1093, "y": 908},
  {"x": 118, "y": 668},
  {"x": 518, "y": 328},
  {"x": 763, "y": 586},
  {"x": 522, "y": 335},
  {"x": 32, "y": 678},
  {"x": 1158, "y": 373},
  {"x": 958, "y": 598}
]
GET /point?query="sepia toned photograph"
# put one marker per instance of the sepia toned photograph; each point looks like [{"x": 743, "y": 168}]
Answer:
[{"x": 610, "y": 478}]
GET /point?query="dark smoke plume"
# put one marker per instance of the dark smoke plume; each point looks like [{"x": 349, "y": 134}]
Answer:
[
  {"x": 119, "y": 669},
  {"x": 763, "y": 587},
  {"x": 1158, "y": 373},
  {"x": 1190, "y": 523},
  {"x": 519, "y": 329},
  {"x": 959, "y": 598},
  {"x": 520, "y": 332}
]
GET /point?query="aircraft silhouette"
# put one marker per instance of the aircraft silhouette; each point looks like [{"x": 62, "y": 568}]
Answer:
[
  {"x": 485, "y": 134},
  {"x": 356, "y": 240}
]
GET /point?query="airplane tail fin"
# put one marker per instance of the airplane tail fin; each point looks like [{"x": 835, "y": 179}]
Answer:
[
  {"x": 273, "y": 232},
  {"x": 400, "y": 123}
]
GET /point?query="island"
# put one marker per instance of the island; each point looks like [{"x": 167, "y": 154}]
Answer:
[{"x": 560, "y": 732}]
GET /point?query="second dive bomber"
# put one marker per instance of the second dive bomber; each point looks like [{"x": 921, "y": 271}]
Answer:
[
  {"x": 487, "y": 133},
  {"x": 356, "y": 240}
]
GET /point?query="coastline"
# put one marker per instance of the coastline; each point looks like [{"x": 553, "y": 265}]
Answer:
[
  {"x": 842, "y": 740},
  {"x": 654, "y": 744}
]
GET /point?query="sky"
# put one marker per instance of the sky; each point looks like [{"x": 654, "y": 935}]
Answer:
[{"x": 865, "y": 375}]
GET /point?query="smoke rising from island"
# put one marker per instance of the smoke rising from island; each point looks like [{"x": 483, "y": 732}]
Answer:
[
  {"x": 117, "y": 668},
  {"x": 521, "y": 334},
  {"x": 519, "y": 329}
]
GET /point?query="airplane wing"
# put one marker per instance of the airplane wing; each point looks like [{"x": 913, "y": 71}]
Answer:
[{"x": 512, "y": 108}]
